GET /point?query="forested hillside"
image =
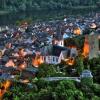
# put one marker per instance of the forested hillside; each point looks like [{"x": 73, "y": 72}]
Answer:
[{"x": 23, "y": 5}]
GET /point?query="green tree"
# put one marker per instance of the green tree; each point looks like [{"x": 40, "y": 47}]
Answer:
[
  {"x": 79, "y": 65},
  {"x": 44, "y": 4},
  {"x": 46, "y": 70}
]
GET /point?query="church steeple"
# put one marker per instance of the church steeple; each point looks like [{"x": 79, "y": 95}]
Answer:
[
  {"x": 58, "y": 34},
  {"x": 58, "y": 37}
]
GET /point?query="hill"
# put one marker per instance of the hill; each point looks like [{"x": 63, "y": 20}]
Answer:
[{"x": 23, "y": 5}]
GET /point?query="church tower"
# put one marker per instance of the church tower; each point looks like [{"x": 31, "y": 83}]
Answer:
[{"x": 58, "y": 37}]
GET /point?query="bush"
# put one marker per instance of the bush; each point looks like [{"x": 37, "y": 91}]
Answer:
[
  {"x": 87, "y": 81},
  {"x": 42, "y": 83},
  {"x": 96, "y": 98},
  {"x": 96, "y": 89},
  {"x": 46, "y": 70}
]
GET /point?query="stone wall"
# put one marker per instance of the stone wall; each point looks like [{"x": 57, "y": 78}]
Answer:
[{"x": 94, "y": 45}]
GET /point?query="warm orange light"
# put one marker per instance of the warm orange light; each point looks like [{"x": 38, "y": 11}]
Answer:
[
  {"x": 37, "y": 61},
  {"x": 86, "y": 47},
  {"x": 25, "y": 81},
  {"x": 22, "y": 66},
  {"x": 10, "y": 63},
  {"x": 70, "y": 61},
  {"x": 77, "y": 31},
  {"x": 5, "y": 86},
  {"x": 72, "y": 46}
]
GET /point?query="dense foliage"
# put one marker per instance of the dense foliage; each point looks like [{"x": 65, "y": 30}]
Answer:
[
  {"x": 95, "y": 68},
  {"x": 24, "y": 5},
  {"x": 57, "y": 90}
]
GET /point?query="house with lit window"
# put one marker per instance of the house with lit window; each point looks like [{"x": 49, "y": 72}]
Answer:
[{"x": 55, "y": 52}]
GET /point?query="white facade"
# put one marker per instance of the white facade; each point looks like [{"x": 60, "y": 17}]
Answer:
[
  {"x": 50, "y": 59},
  {"x": 56, "y": 60},
  {"x": 59, "y": 43}
]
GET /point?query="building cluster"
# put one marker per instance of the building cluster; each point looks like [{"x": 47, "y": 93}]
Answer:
[{"x": 43, "y": 42}]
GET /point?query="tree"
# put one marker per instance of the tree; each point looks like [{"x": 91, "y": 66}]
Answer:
[
  {"x": 46, "y": 70},
  {"x": 44, "y": 4},
  {"x": 79, "y": 65}
]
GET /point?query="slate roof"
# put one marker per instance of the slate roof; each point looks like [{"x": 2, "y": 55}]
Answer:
[
  {"x": 56, "y": 50},
  {"x": 53, "y": 50},
  {"x": 66, "y": 53},
  {"x": 86, "y": 73}
]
